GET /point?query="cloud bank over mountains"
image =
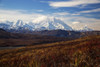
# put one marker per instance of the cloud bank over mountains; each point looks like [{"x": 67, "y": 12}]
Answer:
[{"x": 73, "y": 21}]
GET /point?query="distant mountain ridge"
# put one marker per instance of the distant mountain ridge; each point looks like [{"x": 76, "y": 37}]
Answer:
[
  {"x": 85, "y": 28},
  {"x": 56, "y": 33},
  {"x": 45, "y": 24}
]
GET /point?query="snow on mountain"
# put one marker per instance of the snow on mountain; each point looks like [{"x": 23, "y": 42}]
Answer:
[
  {"x": 47, "y": 23},
  {"x": 19, "y": 23},
  {"x": 85, "y": 28},
  {"x": 51, "y": 23},
  {"x": 6, "y": 25}
]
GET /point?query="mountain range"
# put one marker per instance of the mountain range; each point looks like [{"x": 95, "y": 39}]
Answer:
[{"x": 48, "y": 23}]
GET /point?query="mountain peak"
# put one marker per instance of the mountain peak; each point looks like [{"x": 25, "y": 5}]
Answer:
[
  {"x": 85, "y": 28},
  {"x": 46, "y": 23},
  {"x": 19, "y": 23},
  {"x": 52, "y": 23}
]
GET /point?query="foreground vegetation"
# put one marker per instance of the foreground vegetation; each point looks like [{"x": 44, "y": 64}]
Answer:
[{"x": 83, "y": 52}]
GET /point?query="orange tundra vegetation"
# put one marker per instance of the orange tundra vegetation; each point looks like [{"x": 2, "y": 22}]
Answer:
[{"x": 83, "y": 52}]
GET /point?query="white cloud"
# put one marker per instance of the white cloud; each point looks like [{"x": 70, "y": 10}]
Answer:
[
  {"x": 76, "y": 22},
  {"x": 92, "y": 23},
  {"x": 37, "y": 20},
  {"x": 89, "y": 11},
  {"x": 61, "y": 13},
  {"x": 72, "y": 3},
  {"x": 76, "y": 14},
  {"x": 14, "y": 15}
]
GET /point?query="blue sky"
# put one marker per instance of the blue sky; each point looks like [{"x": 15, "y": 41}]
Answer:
[{"x": 73, "y": 12}]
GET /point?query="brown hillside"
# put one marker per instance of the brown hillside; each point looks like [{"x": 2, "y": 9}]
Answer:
[{"x": 83, "y": 52}]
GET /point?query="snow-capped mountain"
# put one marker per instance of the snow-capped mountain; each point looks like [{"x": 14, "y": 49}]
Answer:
[
  {"x": 6, "y": 25},
  {"x": 19, "y": 23},
  {"x": 48, "y": 23},
  {"x": 51, "y": 23},
  {"x": 85, "y": 28}
]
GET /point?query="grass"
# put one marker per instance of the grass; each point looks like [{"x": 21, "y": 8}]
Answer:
[{"x": 83, "y": 52}]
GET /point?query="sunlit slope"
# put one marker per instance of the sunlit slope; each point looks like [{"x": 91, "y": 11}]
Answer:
[{"x": 83, "y": 52}]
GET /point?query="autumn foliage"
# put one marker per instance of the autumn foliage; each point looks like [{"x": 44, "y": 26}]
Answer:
[{"x": 83, "y": 52}]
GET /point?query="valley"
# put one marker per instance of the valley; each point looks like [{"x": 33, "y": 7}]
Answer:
[{"x": 50, "y": 48}]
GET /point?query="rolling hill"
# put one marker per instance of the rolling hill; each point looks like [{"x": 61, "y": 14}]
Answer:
[
  {"x": 40, "y": 37},
  {"x": 19, "y": 39},
  {"x": 83, "y": 52}
]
